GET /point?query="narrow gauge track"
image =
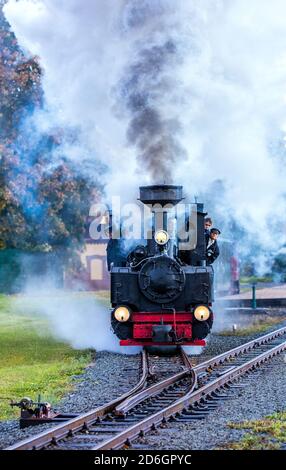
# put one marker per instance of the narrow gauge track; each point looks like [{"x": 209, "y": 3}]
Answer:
[
  {"x": 190, "y": 394},
  {"x": 153, "y": 369}
]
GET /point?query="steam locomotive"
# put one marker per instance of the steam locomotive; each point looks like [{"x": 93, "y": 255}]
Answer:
[{"x": 161, "y": 289}]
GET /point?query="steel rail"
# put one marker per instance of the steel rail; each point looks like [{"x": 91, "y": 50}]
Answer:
[
  {"x": 81, "y": 421},
  {"x": 150, "y": 392},
  {"x": 217, "y": 360},
  {"x": 153, "y": 390},
  {"x": 154, "y": 420},
  {"x": 84, "y": 420},
  {"x": 132, "y": 398}
]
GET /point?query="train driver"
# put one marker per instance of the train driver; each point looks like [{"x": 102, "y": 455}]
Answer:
[
  {"x": 208, "y": 225},
  {"x": 212, "y": 245}
]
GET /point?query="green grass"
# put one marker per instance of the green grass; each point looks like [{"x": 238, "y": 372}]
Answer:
[
  {"x": 265, "y": 434},
  {"x": 255, "y": 279},
  {"x": 259, "y": 326},
  {"x": 31, "y": 360}
]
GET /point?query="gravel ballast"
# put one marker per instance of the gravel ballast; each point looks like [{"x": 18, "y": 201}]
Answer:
[
  {"x": 263, "y": 394},
  {"x": 106, "y": 379}
]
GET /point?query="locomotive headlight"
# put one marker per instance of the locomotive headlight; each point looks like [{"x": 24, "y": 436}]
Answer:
[
  {"x": 161, "y": 237},
  {"x": 201, "y": 313},
  {"x": 122, "y": 314}
]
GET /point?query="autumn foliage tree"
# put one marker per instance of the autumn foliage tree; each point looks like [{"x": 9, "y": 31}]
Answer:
[{"x": 42, "y": 206}]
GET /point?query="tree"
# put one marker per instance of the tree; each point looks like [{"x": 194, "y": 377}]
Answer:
[{"x": 42, "y": 206}]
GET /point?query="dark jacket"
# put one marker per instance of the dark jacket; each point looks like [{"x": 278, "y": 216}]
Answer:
[
  {"x": 115, "y": 253},
  {"x": 212, "y": 252}
]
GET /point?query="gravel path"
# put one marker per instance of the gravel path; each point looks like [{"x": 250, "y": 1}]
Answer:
[
  {"x": 274, "y": 292},
  {"x": 101, "y": 382},
  {"x": 106, "y": 379}
]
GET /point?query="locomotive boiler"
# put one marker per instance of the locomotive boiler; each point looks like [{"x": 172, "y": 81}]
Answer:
[{"x": 162, "y": 289}]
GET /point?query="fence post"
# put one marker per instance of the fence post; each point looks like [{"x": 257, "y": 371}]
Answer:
[{"x": 253, "y": 296}]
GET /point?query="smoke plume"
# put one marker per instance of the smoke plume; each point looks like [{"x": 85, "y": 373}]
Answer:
[
  {"x": 192, "y": 92},
  {"x": 147, "y": 90}
]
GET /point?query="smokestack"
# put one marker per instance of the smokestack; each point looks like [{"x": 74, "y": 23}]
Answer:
[{"x": 161, "y": 194}]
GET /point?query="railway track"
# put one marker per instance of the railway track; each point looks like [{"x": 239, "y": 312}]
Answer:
[
  {"x": 153, "y": 369},
  {"x": 189, "y": 394}
]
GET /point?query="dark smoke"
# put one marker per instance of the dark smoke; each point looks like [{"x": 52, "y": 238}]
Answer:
[
  {"x": 208, "y": 73},
  {"x": 151, "y": 130}
]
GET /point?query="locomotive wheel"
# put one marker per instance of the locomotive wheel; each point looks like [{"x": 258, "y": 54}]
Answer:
[{"x": 123, "y": 330}]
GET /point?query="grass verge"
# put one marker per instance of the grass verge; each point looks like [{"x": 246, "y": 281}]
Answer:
[
  {"x": 31, "y": 360},
  {"x": 265, "y": 434},
  {"x": 260, "y": 325}
]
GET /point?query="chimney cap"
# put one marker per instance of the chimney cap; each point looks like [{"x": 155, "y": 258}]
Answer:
[{"x": 161, "y": 194}]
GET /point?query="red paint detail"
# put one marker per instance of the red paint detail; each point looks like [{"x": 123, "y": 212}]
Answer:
[
  {"x": 184, "y": 331},
  {"x": 142, "y": 331},
  {"x": 143, "y": 323},
  {"x": 157, "y": 316},
  {"x": 132, "y": 342}
]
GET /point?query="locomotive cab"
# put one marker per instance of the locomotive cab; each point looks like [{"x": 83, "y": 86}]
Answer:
[{"x": 162, "y": 292}]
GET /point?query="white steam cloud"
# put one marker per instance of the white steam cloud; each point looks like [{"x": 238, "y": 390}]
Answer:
[
  {"x": 81, "y": 319},
  {"x": 220, "y": 102}
]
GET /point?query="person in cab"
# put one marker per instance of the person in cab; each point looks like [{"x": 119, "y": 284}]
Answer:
[{"x": 212, "y": 245}]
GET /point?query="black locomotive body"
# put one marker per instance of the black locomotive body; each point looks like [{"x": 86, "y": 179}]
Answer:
[{"x": 162, "y": 291}]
